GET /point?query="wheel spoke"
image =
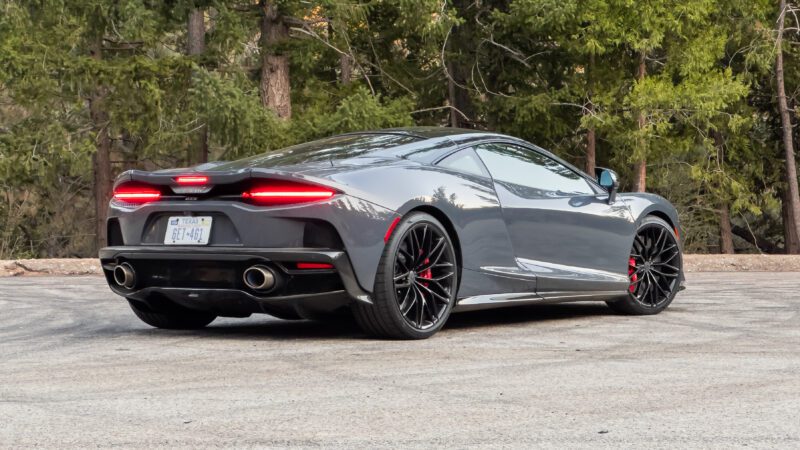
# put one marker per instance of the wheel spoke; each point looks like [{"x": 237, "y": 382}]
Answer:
[
  {"x": 667, "y": 266},
  {"x": 420, "y": 307},
  {"x": 406, "y": 304},
  {"x": 668, "y": 275},
  {"x": 432, "y": 260},
  {"x": 433, "y": 294},
  {"x": 415, "y": 248},
  {"x": 405, "y": 259},
  {"x": 442, "y": 277},
  {"x": 658, "y": 285}
]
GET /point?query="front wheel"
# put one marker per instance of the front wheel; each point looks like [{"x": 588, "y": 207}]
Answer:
[
  {"x": 654, "y": 269},
  {"x": 416, "y": 282},
  {"x": 177, "y": 319}
]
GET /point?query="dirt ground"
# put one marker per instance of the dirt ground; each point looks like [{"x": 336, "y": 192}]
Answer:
[{"x": 692, "y": 263}]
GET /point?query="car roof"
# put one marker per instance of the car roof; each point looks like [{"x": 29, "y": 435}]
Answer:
[
  {"x": 455, "y": 134},
  {"x": 432, "y": 142}
]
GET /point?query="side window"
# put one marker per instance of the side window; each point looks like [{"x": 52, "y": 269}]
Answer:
[
  {"x": 465, "y": 161},
  {"x": 540, "y": 175}
]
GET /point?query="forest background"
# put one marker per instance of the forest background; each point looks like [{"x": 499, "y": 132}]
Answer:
[{"x": 695, "y": 100}]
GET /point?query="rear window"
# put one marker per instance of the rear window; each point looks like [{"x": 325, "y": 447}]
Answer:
[{"x": 332, "y": 148}]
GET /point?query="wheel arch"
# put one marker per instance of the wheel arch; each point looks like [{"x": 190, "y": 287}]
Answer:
[
  {"x": 663, "y": 216},
  {"x": 439, "y": 215}
]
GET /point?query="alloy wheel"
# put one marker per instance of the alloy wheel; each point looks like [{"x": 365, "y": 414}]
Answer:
[
  {"x": 424, "y": 272},
  {"x": 654, "y": 266}
]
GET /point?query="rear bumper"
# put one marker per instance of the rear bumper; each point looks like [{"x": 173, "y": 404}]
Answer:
[{"x": 209, "y": 278}]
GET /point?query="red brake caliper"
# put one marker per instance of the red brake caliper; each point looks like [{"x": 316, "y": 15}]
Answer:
[
  {"x": 426, "y": 274},
  {"x": 632, "y": 275}
]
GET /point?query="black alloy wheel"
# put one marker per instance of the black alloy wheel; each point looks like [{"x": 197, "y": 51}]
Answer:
[
  {"x": 654, "y": 269},
  {"x": 416, "y": 283},
  {"x": 423, "y": 276}
]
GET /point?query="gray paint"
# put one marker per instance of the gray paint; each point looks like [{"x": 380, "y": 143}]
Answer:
[{"x": 555, "y": 246}]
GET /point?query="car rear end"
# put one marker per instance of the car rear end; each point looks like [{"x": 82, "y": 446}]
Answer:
[{"x": 236, "y": 242}]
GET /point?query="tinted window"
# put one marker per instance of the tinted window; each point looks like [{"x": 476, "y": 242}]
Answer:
[
  {"x": 465, "y": 161},
  {"x": 332, "y": 148},
  {"x": 536, "y": 173}
]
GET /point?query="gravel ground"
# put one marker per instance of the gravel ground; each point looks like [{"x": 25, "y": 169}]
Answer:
[{"x": 719, "y": 369}]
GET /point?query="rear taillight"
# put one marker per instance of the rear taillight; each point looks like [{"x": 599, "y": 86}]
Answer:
[
  {"x": 136, "y": 194},
  {"x": 287, "y": 193}
]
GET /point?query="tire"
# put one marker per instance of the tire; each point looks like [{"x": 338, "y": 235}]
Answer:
[
  {"x": 177, "y": 319},
  {"x": 655, "y": 270},
  {"x": 415, "y": 285}
]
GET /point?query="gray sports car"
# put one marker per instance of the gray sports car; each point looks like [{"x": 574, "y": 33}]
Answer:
[{"x": 400, "y": 226}]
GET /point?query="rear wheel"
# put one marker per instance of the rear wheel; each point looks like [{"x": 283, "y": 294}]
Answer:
[
  {"x": 177, "y": 319},
  {"x": 415, "y": 285},
  {"x": 654, "y": 269}
]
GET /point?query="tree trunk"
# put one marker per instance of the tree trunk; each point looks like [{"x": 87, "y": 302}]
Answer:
[
  {"x": 791, "y": 222},
  {"x": 346, "y": 67},
  {"x": 462, "y": 110},
  {"x": 101, "y": 160},
  {"x": 196, "y": 45},
  {"x": 791, "y": 238},
  {"x": 274, "y": 87},
  {"x": 591, "y": 139},
  {"x": 458, "y": 97},
  {"x": 640, "y": 168},
  {"x": 725, "y": 231}
]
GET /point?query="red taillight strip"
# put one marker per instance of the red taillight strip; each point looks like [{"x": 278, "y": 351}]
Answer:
[
  {"x": 390, "y": 230},
  {"x": 311, "y": 266},
  {"x": 278, "y": 195},
  {"x": 137, "y": 196},
  {"x": 191, "y": 180}
]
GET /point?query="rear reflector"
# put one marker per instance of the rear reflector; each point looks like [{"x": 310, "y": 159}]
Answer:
[
  {"x": 389, "y": 232},
  {"x": 311, "y": 266},
  {"x": 287, "y": 194},
  {"x": 191, "y": 180},
  {"x": 136, "y": 195}
]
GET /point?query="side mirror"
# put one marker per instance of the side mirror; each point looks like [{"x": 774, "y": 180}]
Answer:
[{"x": 609, "y": 181}]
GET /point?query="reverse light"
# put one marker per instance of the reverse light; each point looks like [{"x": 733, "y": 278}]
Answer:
[
  {"x": 130, "y": 194},
  {"x": 191, "y": 180},
  {"x": 287, "y": 194}
]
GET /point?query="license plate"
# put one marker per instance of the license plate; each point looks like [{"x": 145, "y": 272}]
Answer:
[{"x": 185, "y": 230}]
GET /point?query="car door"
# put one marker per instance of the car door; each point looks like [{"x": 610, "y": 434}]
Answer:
[{"x": 561, "y": 227}]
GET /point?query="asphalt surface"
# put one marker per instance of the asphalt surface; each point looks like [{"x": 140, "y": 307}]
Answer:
[{"x": 720, "y": 368}]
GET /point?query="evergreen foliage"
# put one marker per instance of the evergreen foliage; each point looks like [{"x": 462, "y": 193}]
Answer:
[{"x": 687, "y": 86}]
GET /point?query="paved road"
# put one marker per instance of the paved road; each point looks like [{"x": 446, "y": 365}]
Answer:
[{"x": 720, "y": 368}]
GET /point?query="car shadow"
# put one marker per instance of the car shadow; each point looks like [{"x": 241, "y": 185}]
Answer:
[
  {"x": 526, "y": 314},
  {"x": 265, "y": 327}
]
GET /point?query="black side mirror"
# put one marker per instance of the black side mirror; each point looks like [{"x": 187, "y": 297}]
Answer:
[{"x": 609, "y": 181}]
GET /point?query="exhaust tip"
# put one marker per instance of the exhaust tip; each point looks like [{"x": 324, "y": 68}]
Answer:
[
  {"x": 259, "y": 278},
  {"x": 125, "y": 276}
]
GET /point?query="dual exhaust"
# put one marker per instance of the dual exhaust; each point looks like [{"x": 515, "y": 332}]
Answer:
[
  {"x": 257, "y": 278},
  {"x": 125, "y": 276}
]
